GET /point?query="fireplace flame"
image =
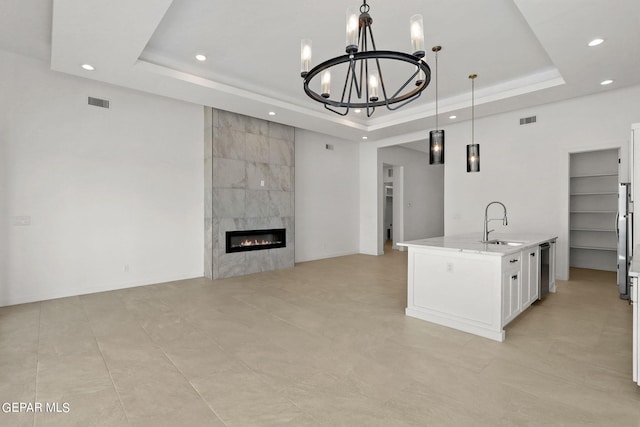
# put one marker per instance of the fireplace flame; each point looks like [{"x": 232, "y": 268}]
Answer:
[{"x": 256, "y": 242}]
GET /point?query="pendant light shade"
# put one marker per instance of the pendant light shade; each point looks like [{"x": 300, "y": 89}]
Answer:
[
  {"x": 473, "y": 149},
  {"x": 473, "y": 157},
  {"x": 436, "y": 137},
  {"x": 436, "y": 147}
]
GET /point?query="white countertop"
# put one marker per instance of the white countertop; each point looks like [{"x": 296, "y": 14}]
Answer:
[{"x": 472, "y": 242}]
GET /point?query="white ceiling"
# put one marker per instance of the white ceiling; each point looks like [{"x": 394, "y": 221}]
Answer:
[{"x": 525, "y": 52}]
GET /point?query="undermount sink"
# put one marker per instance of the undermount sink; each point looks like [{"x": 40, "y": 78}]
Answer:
[{"x": 504, "y": 242}]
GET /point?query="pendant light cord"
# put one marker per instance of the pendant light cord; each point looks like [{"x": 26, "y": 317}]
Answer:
[
  {"x": 437, "y": 90},
  {"x": 435, "y": 50},
  {"x": 473, "y": 113},
  {"x": 473, "y": 104}
]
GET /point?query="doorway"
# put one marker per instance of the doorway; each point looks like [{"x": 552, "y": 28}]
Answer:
[
  {"x": 388, "y": 215},
  {"x": 392, "y": 207},
  {"x": 593, "y": 205}
]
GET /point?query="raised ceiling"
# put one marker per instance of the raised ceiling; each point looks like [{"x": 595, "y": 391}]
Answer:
[{"x": 525, "y": 52}]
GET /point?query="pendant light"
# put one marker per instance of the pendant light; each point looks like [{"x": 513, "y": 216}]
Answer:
[
  {"x": 473, "y": 149},
  {"x": 436, "y": 137}
]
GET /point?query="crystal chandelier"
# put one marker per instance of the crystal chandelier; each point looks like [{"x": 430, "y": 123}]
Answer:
[{"x": 364, "y": 86}]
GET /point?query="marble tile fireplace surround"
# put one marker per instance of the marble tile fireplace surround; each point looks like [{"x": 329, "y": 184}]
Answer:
[{"x": 248, "y": 184}]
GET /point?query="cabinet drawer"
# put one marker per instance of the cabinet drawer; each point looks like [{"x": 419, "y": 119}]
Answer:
[{"x": 512, "y": 261}]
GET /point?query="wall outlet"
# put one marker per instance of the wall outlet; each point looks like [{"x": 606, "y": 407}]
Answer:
[
  {"x": 126, "y": 268},
  {"x": 450, "y": 267},
  {"x": 262, "y": 183},
  {"x": 22, "y": 220}
]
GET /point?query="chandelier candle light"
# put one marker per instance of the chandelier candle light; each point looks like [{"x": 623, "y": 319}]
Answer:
[
  {"x": 364, "y": 86},
  {"x": 473, "y": 149},
  {"x": 436, "y": 137}
]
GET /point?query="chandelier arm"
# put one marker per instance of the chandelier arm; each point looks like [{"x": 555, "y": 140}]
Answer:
[
  {"x": 367, "y": 99},
  {"x": 373, "y": 42},
  {"x": 364, "y": 64},
  {"x": 409, "y": 80},
  {"x": 384, "y": 91},
  {"x": 344, "y": 89},
  {"x": 336, "y": 111},
  {"x": 354, "y": 79},
  {"x": 404, "y": 103},
  {"x": 373, "y": 109},
  {"x": 366, "y": 81}
]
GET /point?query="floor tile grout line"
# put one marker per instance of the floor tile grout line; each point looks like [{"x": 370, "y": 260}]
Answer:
[
  {"x": 227, "y": 352},
  {"x": 104, "y": 361},
  {"x": 166, "y": 356},
  {"x": 297, "y": 327},
  {"x": 192, "y": 386}
]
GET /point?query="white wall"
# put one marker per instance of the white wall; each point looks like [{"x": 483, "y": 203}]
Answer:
[
  {"x": 103, "y": 188},
  {"x": 423, "y": 191},
  {"x": 527, "y": 167},
  {"x": 326, "y": 196},
  {"x": 370, "y": 200}
]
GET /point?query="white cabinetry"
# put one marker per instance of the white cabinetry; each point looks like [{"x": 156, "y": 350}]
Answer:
[
  {"x": 520, "y": 275},
  {"x": 531, "y": 276},
  {"x": 511, "y": 287},
  {"x": 462, "y": 283}
]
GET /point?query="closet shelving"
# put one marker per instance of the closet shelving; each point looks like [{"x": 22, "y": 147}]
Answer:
[{"x": 593, "y": 209}]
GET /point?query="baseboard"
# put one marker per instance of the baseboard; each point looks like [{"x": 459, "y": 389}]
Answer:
[
  {"x": 24, "y": 299},
  {"x": 326, "y": 256}
]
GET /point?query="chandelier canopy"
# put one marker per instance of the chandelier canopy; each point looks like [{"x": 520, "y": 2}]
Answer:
[{"x": 364, "y": 86}]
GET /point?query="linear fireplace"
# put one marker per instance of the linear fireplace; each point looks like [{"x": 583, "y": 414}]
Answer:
[{"x": 255, "y": 240}]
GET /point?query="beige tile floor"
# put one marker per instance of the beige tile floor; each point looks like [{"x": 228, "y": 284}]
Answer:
[{"x": 325, "y": 343}]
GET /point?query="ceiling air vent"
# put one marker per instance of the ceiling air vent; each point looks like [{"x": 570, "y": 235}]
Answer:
[
  {"x": 527, "y": 120},
  {"x": 97, "y": 102}
]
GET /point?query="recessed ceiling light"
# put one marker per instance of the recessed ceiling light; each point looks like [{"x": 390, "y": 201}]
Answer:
[
  {"x": 364, "y": 137},
  {"x": 606, "y": 82},
  {"x": 272, "y": 113},
  {"x": 201, "y": 57},
  {"x": 452, "y": 117},
  {"x": 357, "y": 111},
  {"x": 595, "y": 42},
  {"x": 88, "y": 67}
]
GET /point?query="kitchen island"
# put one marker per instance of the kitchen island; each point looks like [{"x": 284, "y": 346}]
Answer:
[{"x": 462, "y": 283}]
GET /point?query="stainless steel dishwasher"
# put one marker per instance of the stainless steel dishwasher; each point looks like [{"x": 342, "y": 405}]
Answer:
[{"x": 544, "y": 270}]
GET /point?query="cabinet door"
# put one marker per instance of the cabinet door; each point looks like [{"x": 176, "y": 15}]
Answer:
[
  {"x": 510, "y": 295},
  {"x": 524, "y": 281},
  {"x": 533, "y": 274},
  {"x": 506, "y": 299},
  {"x": 515, "y": 281}
]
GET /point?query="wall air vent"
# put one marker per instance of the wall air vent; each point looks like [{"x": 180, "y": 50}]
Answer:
[
  {"x": 527, "y": 120},
  {"x": 97, "y": 102}
]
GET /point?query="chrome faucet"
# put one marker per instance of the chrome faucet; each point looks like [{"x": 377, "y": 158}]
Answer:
[{"x": 486, "y": 231}]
